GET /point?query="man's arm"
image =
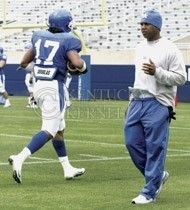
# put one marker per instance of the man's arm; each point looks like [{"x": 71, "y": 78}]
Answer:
[
  {"x": 76, "y": 63},
  {"x": 28, "y": 57}
]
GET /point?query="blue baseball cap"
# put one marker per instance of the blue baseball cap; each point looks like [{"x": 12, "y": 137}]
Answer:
[{"x": 152, "y": 17}]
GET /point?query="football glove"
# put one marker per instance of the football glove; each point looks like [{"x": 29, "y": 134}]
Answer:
[{"x": 171, "y": 113}]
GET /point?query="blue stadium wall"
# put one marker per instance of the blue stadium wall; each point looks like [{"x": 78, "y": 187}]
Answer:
[{"x": 107, "y": 82}]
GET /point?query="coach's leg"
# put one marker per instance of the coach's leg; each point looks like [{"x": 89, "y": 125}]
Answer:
[
  {"x": 134, "y": 135},
  {"x": 156, "y": 145}
]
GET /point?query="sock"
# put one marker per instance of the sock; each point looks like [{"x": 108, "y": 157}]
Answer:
[
  {"x": 65, "y": 162},
  {"x": 60, "y": 149},
  {"x": 25, "y": 153},
  {"x": 38, "y": 141}
]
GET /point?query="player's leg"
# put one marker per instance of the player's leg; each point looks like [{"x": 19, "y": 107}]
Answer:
[
  {"x": 26, "y": 81},
  {"x": 37, "y": 141},
  {"x": 4, "y": 92},
  {"x": 67, "y": 98},
  {"x": 50, "y": 125},
  {"x": 29, "y": 82},
  {"x": 66, "y": 90},
  {"x": 53, "y": 112},
  {"x": 59, "y": 145},
  {"x": 60, "y": 148},
  {"x": 2, "y": 99},
  {"x": 7, "y": 101}
]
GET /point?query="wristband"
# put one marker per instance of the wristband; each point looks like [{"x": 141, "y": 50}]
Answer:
[{"x": 83, "y": 68}]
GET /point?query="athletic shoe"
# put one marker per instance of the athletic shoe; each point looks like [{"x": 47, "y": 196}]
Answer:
[
  {"x": 141, "y": 199},
  {"x": 164, "y": 179},
  {"x": 68, "y": 103},
  {"x": 28, "y": 106},
  {"x": 72, "y": 172},
  {"x": 17, "y": 167},
  {"x": 7, "y": 104},
  {"x": 34, "y": 106}
]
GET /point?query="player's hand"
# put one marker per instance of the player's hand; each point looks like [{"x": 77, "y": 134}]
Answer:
[
  {"x": 75, "y": 71},
  {"x": 149, "y": 68},
  {"x": 71, "y": 67}
]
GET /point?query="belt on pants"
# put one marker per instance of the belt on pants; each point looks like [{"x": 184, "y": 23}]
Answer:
[{"x": 141, "y": 94}]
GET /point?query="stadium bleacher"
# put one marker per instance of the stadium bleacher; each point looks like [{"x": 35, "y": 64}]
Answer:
[{"x": 121, "y": 31}]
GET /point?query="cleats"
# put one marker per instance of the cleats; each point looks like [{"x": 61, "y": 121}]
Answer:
[
  {"x": 32, "y": 103},
  {"x": 7, "y": 104},
  {"x": 16, "y": 162},
  {"x": 17, "y": 167},
  {"x": 72, "y": 172}
]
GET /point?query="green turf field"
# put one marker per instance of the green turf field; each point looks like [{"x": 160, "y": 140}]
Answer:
[{"x": 94, "y": 137}]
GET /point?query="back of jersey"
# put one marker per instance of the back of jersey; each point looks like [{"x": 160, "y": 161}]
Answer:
[{"x": 51, "y": 53}]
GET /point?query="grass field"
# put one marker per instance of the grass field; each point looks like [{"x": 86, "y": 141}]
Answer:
[{"x": 94, "y": 137}]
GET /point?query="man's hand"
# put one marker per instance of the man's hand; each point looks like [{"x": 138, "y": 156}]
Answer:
[{"x": 149, "y": 68}]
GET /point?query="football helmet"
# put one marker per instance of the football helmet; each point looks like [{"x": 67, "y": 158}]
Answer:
[{"x": 60, "y": 19}]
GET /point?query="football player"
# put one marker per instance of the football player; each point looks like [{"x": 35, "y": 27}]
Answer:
[
  {"x": 53, "y": 51},
  {"x": 30, "y": 81},
  {"x": 3, "y": 92}
]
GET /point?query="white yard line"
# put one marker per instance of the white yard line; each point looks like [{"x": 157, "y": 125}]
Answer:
[
  {"x": 180, "y": 128},
  {"x": 179, "y": 150},
  {"x": 93, "y": 156},
  {"x": 39, "y": 158},
  {"x": 179, "y": 155},
  {"x": 14, "y": 135},
  {"x": 46, "y": 161},
  {"x": 86, "y": 142}
]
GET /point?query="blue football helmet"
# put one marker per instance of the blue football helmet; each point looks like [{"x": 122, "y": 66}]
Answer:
[{"x": 60, "y": 19}]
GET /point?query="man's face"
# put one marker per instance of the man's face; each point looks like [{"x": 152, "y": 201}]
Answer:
[{"x": 149, "y": 31}]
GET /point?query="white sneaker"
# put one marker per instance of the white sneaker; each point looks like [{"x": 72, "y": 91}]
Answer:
[
  {"x": 7, "y": 104},
  {"x": 34, "y": 106},
  {"x": 68, "y": 103},
  {"x": 17, "y": 167},
  {"x": 72, "y": 172},
  {"x": 141, "y": 199},
  {"x": 164, "y": 179}
]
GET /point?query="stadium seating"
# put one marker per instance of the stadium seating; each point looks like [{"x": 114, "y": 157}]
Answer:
[{"x": 121, "y": 31}]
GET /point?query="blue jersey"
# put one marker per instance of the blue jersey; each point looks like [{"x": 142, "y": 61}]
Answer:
[{"x": 51, "y": 51}]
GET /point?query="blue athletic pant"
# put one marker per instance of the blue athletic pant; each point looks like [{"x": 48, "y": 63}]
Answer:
[{"x": 146, "y": 136}]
